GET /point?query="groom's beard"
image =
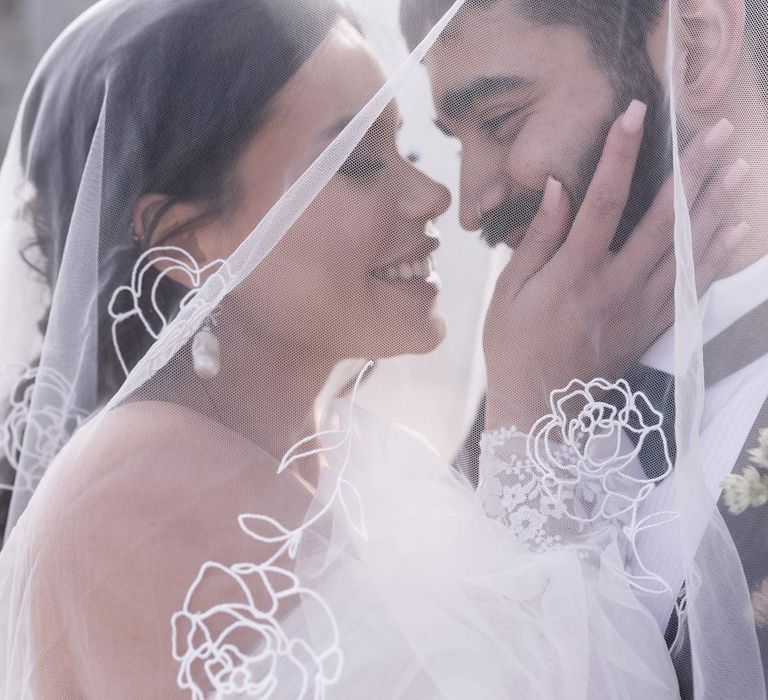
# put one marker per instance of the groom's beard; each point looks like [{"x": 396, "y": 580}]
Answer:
[
  {"x": 511, "y": 216},
  {"x": 508, "y": 222}
]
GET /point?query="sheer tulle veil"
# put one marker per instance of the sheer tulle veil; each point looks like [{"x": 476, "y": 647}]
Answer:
[{"x": 278, "y": 426}]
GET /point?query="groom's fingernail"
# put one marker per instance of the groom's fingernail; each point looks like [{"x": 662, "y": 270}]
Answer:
[
  {"x": 718, "y": 135},
  {"x": 553, "y": 190},
  {"x": 633, "y": 118}
]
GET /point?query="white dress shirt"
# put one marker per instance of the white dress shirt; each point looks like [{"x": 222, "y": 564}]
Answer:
[{"x": 730, "y": 409}]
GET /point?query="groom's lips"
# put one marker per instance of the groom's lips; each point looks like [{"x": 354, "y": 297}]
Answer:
[
  {"x": 509, "y": 222},
  {"x": 512, "y": 237}
]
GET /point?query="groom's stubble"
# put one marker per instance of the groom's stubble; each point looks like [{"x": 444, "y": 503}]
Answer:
[
  {"x": 653, "y": 167},
  {"x": 626, "y": 67}
]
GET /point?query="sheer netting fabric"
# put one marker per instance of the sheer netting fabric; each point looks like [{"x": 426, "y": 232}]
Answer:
[{"x": 407, "y": 349}]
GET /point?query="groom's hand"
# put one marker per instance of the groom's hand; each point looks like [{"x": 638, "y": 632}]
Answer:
[{"x": 568, "y": 307}]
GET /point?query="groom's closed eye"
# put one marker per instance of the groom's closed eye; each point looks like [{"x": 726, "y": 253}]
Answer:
[
  {"x": 479, "y": 102},
  {"x": 493, "y": 126},
  {"x": 460, "y": 102}
]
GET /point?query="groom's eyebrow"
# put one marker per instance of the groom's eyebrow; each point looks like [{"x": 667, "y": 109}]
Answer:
[{"x": 458, "y": 103}]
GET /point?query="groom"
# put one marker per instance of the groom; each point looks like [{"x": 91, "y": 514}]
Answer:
[{"x": 530, "y": 88}]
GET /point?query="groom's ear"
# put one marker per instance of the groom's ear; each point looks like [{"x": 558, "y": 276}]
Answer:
[{"x": 709, "y": 51}]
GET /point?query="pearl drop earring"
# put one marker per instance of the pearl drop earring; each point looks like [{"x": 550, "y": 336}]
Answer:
[{"x": 206, "y": 352}]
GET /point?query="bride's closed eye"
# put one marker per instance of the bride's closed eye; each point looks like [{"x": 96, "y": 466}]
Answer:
[
  {"x": 361, "y": 167},
  {"x": 375, "y": 151}
]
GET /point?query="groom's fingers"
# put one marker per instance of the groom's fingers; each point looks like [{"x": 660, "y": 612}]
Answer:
[
  {"x": 653, "y": 236},
  {"x": 543, "y": 237},
  {"x": 595, "y": 226}
]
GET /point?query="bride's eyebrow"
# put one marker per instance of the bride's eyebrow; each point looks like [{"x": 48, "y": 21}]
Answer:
[
  {"x": 458, "y": 103},
  {"x": 329, "y": 134}
]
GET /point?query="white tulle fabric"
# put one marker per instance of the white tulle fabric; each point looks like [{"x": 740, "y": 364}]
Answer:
[
  {"x": 395, "y": 585},
  {"x": 154, "y": 551},
  {"x": 576, "y": 478}
]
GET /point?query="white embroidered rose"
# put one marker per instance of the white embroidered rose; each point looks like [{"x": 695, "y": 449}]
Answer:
[
  {"x": 126, "y": 300},
  {"x": 242, "y": 648},
  {"x": 32, "y": 436},
  {"x": 585, "y": 447}
]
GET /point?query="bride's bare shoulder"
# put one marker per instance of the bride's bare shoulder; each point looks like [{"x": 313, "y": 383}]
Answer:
[
  {"x": 152, "y": 436},
  {"x": 120, "y": 526},
  {"x": 128, "y": 464}
]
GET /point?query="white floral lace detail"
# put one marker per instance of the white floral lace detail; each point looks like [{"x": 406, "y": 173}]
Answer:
[
  {"x": 512, "y": 490},
  {"x": 40, "y": 421},
  {"x": 575, "y": 477},
  {"x": 255, "y": 672},
  {"x": 177, "y": 260}
]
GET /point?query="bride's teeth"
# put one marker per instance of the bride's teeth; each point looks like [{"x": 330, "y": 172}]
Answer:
[{"x": 405, "y": 272}]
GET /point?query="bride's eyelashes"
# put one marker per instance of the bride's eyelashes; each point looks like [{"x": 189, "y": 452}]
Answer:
[{"x": 362, "y": 168}]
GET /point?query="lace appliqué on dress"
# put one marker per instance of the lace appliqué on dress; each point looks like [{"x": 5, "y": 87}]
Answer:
[
  {"x": 512, "y": 491},
  {"x": 575, "y": 478}
]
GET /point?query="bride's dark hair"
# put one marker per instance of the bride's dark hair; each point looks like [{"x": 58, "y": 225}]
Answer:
[{"x": 181, "y": 86}]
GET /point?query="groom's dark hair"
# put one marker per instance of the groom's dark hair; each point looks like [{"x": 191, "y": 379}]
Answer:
[
  {"x": 603, "y": 21},
  {"x": 610, "y": 25}
]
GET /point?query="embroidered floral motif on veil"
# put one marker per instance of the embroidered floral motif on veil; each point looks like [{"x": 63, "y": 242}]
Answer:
[
  {"x": 41, "y": 419},
  {"x": 177, "y": 260},
  {"x": 252, "y": 649},
  {"x": 575, "y": 477}
]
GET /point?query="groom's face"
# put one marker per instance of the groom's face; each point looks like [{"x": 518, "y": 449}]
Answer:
[{"x": 527, "y": 101}]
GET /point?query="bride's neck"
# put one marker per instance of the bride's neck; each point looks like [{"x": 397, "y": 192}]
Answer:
[{"x": 266, "y": 389}]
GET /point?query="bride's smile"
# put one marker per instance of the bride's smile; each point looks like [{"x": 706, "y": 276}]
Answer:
[
  {"x": 235, "y": 464},
  {"x": 416, "y": 266}
]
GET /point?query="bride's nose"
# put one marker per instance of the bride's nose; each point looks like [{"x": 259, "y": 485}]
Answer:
[{"x": 423, "y": 198}]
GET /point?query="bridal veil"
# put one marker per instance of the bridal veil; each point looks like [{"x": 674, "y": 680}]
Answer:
[{"x": 244, "y": 445}]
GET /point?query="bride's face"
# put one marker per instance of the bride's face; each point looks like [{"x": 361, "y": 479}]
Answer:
[{"x": 353, "y": 277}]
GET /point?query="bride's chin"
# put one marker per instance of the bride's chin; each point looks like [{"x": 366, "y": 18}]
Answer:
[
  {"x": 432, "y": 338},
  {"x": 418, "y": 338}
]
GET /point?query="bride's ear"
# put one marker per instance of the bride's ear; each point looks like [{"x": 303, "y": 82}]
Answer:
[
  {"x": 158, "y": 222},
  {"x": 710, "y": 52}
]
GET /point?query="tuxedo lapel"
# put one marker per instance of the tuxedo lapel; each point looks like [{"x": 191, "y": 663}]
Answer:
[{"x": 467, "y": 460}]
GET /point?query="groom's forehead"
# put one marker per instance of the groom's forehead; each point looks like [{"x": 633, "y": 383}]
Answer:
[
  {"x": 607, "y": 23},
  {"x": 482, "y": 58}
]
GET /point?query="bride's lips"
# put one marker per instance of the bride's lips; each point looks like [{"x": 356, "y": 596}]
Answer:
[{"x": 414, "y": 269}]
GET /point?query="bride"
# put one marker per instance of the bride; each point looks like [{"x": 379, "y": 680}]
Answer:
[{"x": 213, "y": 529}]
